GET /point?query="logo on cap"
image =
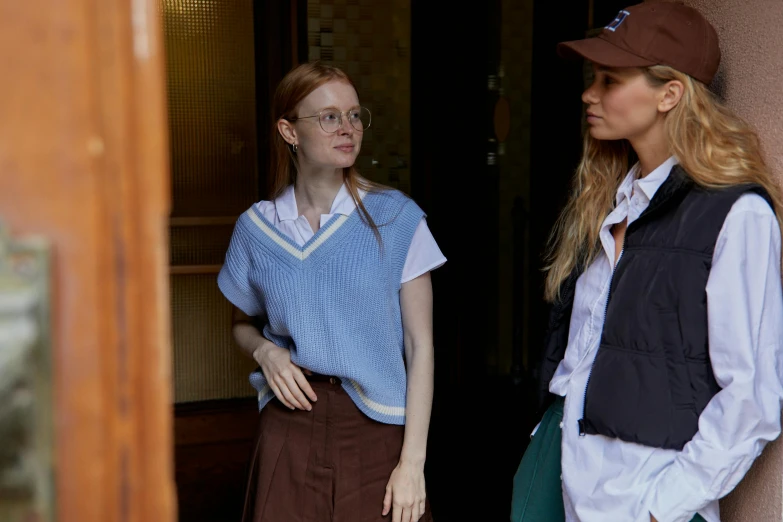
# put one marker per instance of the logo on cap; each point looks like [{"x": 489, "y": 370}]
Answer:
[{"x": 619, "y": 19}]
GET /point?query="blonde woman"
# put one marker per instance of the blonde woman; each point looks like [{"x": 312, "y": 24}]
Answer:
[{"x": 662, "y": 365}]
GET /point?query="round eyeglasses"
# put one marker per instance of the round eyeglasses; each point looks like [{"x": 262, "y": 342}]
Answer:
[{"x": 331, "y": 120}]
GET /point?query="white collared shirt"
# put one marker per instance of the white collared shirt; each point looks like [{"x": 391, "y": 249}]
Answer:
[
  {"x": 606, "y": 479},
  {"x": 424, "y": 254}
]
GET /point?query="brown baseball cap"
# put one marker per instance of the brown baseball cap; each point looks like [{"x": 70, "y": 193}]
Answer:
[{"x": 653, "y": 33}]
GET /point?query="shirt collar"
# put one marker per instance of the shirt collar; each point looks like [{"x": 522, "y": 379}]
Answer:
[
  {"x": 343, "y": 203},
  {"x": 647, "y": 185},
  {"x": 285, "y": 205}
]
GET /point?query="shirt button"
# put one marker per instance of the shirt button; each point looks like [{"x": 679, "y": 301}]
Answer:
[
  {"x": 332, "y": 380},
  {"x": 561, "y": 425}
]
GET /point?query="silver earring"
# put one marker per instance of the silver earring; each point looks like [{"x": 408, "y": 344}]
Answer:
[{"x": 294, "y": 147}]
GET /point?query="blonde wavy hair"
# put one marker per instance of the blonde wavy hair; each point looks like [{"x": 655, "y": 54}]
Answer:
[{"x": 714, "y": 146}]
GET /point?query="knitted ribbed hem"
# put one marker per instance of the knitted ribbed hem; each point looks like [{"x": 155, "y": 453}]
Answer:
[
  {"x": 374, "y": 410},
  {"x": 265, "y": 393},
  {"x": 264, "y": 397}
]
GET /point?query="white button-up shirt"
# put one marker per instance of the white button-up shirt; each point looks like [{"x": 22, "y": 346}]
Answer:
[
  {"x": 424, "y": 254},
  {"x": 608, "y": 480}
]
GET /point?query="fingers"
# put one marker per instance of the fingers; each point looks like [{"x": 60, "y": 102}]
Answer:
[
  {"x": 304, "y": 385},
  {"x": 416, "y": 512},
  {"x": 397, "y": 513},
  {"x": 387, "y": 501},
  {"x": 290, "y": 399},
  {"x": 400, "y": 511},
  {"x": 280, "y": 396},
  {"x": 293, "y": 386},
  {"x": 285, "y": 378}
]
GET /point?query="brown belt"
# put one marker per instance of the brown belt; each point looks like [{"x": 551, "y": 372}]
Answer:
[{"x": 317, "y": 377}]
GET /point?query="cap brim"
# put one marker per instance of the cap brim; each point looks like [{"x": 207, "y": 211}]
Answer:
[{"x": 601, "y": 52}]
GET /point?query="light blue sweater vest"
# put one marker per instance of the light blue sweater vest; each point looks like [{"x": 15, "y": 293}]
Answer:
[{"x": 334, "y": 302}]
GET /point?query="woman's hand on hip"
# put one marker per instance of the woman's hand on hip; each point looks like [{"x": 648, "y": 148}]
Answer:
[
  {"x": 405, "y": 493},
  {"x": 286, "y": 379}
]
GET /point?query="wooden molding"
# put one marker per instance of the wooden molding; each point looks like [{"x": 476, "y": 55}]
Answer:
[
  {"x": 202, "y": 221},
  {"x": 194, "y": 269}
]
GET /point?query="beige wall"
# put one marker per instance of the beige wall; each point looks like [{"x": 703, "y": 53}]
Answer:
[{"x": 751, "y": 81}]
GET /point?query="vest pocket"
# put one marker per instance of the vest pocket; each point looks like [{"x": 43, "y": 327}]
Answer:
[{"x": 680, "y": 388}]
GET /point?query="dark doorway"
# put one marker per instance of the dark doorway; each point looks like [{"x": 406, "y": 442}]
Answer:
[
  {"x": 452, "y": 182},
  {"x": 557, "y": 136},
  {"x": 482, "y": 418}
]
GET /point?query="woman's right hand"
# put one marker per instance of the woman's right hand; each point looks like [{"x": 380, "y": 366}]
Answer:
[{"x": 284, "y": 377}]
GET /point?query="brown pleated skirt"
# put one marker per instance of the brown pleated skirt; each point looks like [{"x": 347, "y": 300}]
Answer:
[{"x": 331, "y": 464}]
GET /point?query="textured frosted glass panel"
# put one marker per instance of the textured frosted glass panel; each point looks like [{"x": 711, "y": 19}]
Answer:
[
  {"x": 201, "y": 245},
  {"x": 207, "y": 364},
  {"x": 210, "y": 71},
  {"x": 212, "y": 106}
]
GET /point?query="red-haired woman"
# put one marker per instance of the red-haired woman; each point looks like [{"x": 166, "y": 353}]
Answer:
[{"x": 337, "y": 270}]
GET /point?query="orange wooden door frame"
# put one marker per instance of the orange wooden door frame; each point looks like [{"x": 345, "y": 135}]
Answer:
[{"x": 84, "y": 162}]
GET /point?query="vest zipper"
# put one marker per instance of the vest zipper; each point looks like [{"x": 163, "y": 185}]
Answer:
[
  {"x": 581, "y": 422},
  {"x": 653, "y": 208}
]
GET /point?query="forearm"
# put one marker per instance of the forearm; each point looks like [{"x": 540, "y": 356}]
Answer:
[
  {"x": 247, "y": 336},
  {"x": 416, "y": 304},
  {"x": 419, "y": 403}
]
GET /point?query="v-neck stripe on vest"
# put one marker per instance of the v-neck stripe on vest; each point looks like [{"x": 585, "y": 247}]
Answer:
[{"x": 284, "y": 242}]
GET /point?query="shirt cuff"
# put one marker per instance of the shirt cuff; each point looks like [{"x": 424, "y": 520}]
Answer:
[{"x": 674, "y": 499}]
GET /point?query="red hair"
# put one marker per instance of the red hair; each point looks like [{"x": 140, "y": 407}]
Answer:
[{"x": 293, "y": 88}]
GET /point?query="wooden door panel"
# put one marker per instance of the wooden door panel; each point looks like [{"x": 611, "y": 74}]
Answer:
[
  {"x": 213, "y": 444},
  {"x": 84, "y": 162}
]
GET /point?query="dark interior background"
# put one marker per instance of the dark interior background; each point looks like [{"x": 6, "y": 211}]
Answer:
[{"x": 481, "y": 420}]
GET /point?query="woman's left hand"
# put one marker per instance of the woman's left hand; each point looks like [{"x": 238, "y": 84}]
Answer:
[{"x": 405, "y": 493}]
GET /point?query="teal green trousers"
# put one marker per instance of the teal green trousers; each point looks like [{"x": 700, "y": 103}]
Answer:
[{"x": 538, "y": 490}]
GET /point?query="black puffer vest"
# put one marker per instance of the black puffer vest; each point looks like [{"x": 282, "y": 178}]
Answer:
[{"x": 652, "y": 377}]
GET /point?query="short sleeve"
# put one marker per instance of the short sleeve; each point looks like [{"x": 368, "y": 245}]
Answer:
[
  {"x": 234, "y": 277},
  {"x": 424, "y": 254}
]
